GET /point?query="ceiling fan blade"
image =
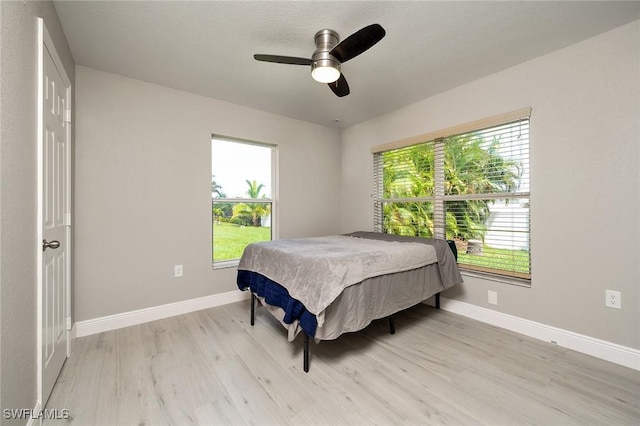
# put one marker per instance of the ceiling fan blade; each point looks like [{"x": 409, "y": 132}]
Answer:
[
  {"x": 282, "y": 59},
  {"x": 358, "y": 42},
  {"x": 340, "y": 87}
]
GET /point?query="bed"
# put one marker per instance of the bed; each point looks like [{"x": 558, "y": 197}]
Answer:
[{"x": 327, "y": 286}]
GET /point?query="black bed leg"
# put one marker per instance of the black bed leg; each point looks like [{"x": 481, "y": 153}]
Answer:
[
  {"x": 392, "y": 325},
  {"x": 253, "y": 309},
  {"x": 437, "y": 300},
  {"x": 305, "y": 355}
]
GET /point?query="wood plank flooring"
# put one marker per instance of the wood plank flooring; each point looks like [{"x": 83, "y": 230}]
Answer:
[{"x": 212, "y": 368}]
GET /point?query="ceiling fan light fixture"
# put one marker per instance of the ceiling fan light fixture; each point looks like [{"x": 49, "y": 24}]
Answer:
[{"x": 324, "y": 73}]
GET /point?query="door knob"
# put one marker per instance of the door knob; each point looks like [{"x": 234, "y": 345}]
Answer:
[{"x": 52, "y": 244}]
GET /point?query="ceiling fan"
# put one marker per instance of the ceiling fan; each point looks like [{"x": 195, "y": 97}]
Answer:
[{"x": 331, "y": 53}]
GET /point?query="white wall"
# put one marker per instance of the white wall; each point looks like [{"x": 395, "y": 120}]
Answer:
[
  {"x": 585, "y": 162},
  {"x": 143, "y": 189},
  {"x": 18, "y": 199}
]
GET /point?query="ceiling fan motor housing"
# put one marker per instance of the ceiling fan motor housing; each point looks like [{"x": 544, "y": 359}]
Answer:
[{"x": 325, "y": 40}]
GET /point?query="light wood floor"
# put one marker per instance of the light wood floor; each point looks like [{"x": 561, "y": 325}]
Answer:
[{"x": 212, "y": 368}]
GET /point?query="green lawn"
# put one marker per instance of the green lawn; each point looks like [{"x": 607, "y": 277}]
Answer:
[
  {"x": 491, "y": 258},
  {"x": 230, "y": 240}
]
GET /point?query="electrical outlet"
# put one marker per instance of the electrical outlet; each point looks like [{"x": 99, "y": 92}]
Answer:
[
  {"x": 492, "y": 297},
  {"x": 177, "y": 271},
  {"x": 613, "y": 299}
]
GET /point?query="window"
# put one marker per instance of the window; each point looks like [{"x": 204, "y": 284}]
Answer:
[
  {"x": 242, "y": 200},
  {"x": 469, "y": 184}
]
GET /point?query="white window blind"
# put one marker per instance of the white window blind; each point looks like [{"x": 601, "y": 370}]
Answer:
[{"x": 470, "y": 187}]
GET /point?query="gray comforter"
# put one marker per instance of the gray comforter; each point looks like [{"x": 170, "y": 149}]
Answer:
[
  {"x": 316, "y": 270},
  {"x": 447, "y": 264}
]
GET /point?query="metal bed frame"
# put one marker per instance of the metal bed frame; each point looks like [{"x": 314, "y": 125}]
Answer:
[{"x": 305, "y": 354}]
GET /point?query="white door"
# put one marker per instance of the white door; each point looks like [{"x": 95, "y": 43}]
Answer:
[{"x": 53, "y": 216}]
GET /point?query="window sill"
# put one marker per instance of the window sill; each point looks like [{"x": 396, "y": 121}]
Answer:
[
  {"x": 224, "y": 264},
  {"x": 520, "y": 282}
]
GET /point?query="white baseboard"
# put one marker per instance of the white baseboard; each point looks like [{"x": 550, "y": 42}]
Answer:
[
  {"x": 602, "y": 349},
  {"x": 140, "y": 316}
]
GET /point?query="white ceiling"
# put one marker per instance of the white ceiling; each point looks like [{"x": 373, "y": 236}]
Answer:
[{"x": 207, "y": 47}]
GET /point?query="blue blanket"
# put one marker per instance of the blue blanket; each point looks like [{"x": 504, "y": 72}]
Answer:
[{"x": 276, "y": 295}]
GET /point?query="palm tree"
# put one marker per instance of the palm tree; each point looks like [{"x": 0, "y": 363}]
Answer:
[
  {"x": 215, "y": 188},
  {"x": 472, "y": 165},
  {"x": 253, "y": 210},
  {"x": 254, "y": 189},
  {"x": 408, "y": 173}
]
